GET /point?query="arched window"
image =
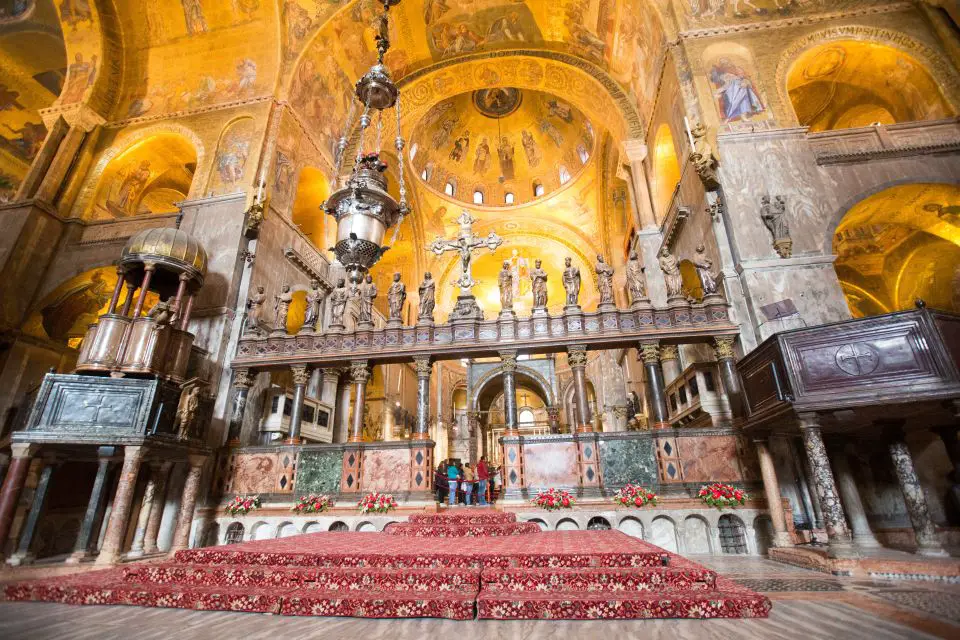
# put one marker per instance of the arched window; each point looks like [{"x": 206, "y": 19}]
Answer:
[
  {"x": 234, "y": 533},
  {"x": 733, "y": 538},
  {"x": 525, "y": 416},
  {"x": 598, "y": 523},
  {"x": 564, "y": 175},
  {"x": 508, "y": 198},
  {"x": 583, "y": 153},
  {"x": 537, "y": 188},
  {"x": 339, "y": 526},
  {"x": 413, "y": 151},
  {"x": 478, "y": 197},
  {"x": 450, "y": 188},
  {"x": 424, "y": 175}
]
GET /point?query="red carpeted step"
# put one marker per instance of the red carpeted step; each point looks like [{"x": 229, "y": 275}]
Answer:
[
  {"x": 575, "y": 560},
  {"x": 415, "y": 530},
  {"x": 469, "y": 517},
  {"x": 381, "y": 604},
  {"x": 645, "y": 579},
  {"x": 426, "y": 560}
]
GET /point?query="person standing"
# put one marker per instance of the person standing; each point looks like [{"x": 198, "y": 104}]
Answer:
[
  {"x": 440, "y": 482},
  {"x": 452, "y": 477},
  {"x": 469, "y": 477},
  {"x": 483, "y": 478}
]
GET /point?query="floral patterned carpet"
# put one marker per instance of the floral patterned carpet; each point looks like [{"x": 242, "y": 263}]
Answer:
[{"x": 432, "y": 571}]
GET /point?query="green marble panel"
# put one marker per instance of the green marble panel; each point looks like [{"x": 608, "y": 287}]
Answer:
[
  {"x": 319, "y": 472},
  {"x": 626, "y": 461}
]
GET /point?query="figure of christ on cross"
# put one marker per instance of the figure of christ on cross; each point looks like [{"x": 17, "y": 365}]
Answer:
[{"x": 465, "y": 244}]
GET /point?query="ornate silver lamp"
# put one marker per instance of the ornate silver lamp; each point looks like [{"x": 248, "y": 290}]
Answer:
[{"x": 363, "y": 208}]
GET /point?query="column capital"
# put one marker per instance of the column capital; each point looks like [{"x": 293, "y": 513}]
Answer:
[
  {"x": 635, "y": 150},
  {"x": 196, "y": 460},
  {"x": 423, "y": 365},
  {"x": 332, "y": 374},
  {"x": 577, "y": 356},
  {"x": 553, "y": 412},
  {"x": 723, "y": 347},
  {"x": 359, "y": 371},
  {"x": 243, "y": 378},
  {"x": 669, "y": 352},
  {"x": 649, "y": 352},
  {"x": 301, "y": 374},
  {"x": 508, "y": 361},
  {"x": 23, "y": 449},
  {"x": 808, "y": 421}
]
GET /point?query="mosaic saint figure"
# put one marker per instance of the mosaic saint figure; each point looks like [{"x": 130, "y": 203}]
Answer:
[
  {"x": 132, "y": 186},
  {"x": 538, "y": 284},
  {"x": 571, "y": 282},
  {"x": 505, "y": 282},
  {"x": 281, "y": 308},
  {"x": 396, "y": 295},
  {"x": 460, "y": 147},
  {"x": 193, "y": 16},
  {"x": 482, "y": 161},
  {"x": 604, "y": 281},
  {"x": 367, "y": 291},
  {"x": 506, "y": 152},
  {"x": 428, "y": 297},
  {"x": 80, "y": 75},
  {"x": 736, "y": 97},
  {"x": 671, "y": 273},
  {"x": 254, "y": 310},
  {"x": 530, "y": 148},
  {"x": 704, "y": 265},
  {"x": 314, "y": 298},
  {"x": 636, "y": 278}
]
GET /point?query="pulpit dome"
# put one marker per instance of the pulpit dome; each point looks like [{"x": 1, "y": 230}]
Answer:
[{"x": 169, "y": 249}]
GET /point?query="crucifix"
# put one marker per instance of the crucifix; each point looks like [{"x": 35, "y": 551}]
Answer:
[{"x": 465, "y": 244}]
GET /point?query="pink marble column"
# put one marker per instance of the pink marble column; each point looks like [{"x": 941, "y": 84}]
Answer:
[
  {"x": 122, "y": 501},
  {"x": 771, "y": 487},
  {"x": 156, "y": 509},
  {"x": 12, "y": 486},
  {"x": 181, "y": 536}
]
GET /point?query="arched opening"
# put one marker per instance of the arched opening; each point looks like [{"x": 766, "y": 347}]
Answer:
[
  {"x": 286, "y": 529},
  {"x": 691, "y": 280},
  {"x": 852, "y": 83},
  {"x": 478, "y": 196},
  {"x": 450, "y": 188},
  {"x": 631, "y": 527},
  {"x": 567, "y": 525},
  {"x": 149, "y": 176},
  {"x": 540, "y": 523},
  {"x": 733, "y": 535},
  {"x": 509, "y": 198},
  {"x": 366, "y": 526},
  {"x": 234, "y": 533},
  {"x": 666, "y": 169},
  {"x": 538, "y": 189},
  {"x": 339, "y": 526},
  {"x": 570, "y": 404},
  {"x": 900, "y": 245},
  {"x": 663, "y": 533},
  {"x": 260, "y": 531},
  {"x": 696, "y": 535},
  {"x": 598, "y": 523},
  {"x": 313, "y": 527},
  {"x": 313, "y": 188}
]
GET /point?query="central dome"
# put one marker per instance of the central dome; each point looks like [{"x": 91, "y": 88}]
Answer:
[{"x": 501, "y": 147}]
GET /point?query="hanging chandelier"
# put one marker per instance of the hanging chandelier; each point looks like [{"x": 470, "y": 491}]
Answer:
[{"x": 361, "y": 206}]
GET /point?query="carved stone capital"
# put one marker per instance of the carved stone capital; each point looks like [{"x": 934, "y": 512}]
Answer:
[
  {"x": 243, "y": 378},
  {"x": 724, "y": 348},
  {"x": 359, "y": 371},
  {"x": 553, "y": 413},
  {"x": 635, "y": 150},
  {"x": 424, "y": 366},
  {"x": 301, "y": 374},
  {"x": 508, "y": 361},
  {"x": 650, "y": 352},
  {"x": 577, "y": 356},
  {"x": 669, "y": 352}
]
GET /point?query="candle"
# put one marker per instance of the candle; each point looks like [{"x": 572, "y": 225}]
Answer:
[
  {"x": 260, "y": 189},
  {"x": 686, "y": 125}
]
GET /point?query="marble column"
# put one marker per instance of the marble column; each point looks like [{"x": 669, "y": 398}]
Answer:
[
  {"x": 838, "y": 535},
  {"x": 771, "y": 487},
  {"x": 949, "y": 436},
  {"x": 146, "y": 505},
  {"x": 726, "y": 359},
  {"x": 424, "y": 369},
  {"x": 23, "y": 555},
  {"x": 82, "y": 550},
  {"x": 801, "y": 465},
  {"x": 359, "y": 375},
  {"x": 553, "y": 414},
  {"x": 577, "y": 359},
  {"x": 120, "y": 513},
  {"x": 301, "y": 375},
  {"x": 862, "y": 533},
  {"x": 181, "y": 536},
  {"x": 13, "y": 483},
  {"x": 156, "y": 509},
  {"x": 928, "y": 543},
  {"x": 650, "y": 354},
  {"x": 670, "y": 363},
  {"x": 242, "y": 381},
  {"x": 508, "y": 364},
  {"x": 636, "y": 152},
  {"x": 342, "y": 409}
]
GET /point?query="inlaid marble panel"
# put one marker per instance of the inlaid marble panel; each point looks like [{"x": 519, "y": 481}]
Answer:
[
  {"x": 385, "y": 470},
  {"x": 550, "y": 464},
  {"x": 254, "y": 473},
  {"x": 709, "y": 459},
  {"x": 319, "y": 472},
  {"x": 628, "y": 461}
]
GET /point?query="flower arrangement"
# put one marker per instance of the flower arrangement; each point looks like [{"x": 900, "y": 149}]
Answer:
[
  {"x": 243, "y": 505},
  {"x": 721, "y": 495},
  {"x": 312, "y": 504},
  {"x": 375, "y": 502},
  {"x": 632, "y": 495},
  {"x": 554, "y": 499}
]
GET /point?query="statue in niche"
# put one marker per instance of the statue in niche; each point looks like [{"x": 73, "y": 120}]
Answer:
[
  {"x": 704, "y": 265},
  {"x": 254, "y": 310},
  {"x": 187, "y": 411},
  {"x": 396, "y": 295},
  {"x": 281, "y": 308},
  {"x": 505, "y": 281},
  {"x": 314, "y": 298},
  {"x": 774, "y": 216},
  {"x": 538, "y": 284},
  {"x": 428, "y": 297},
  {"x": 671, "y": 274},
  {"x": 571, "y": 282},
  {"x": 636, "y": 278},
  {"x": 604, "y": 281},
  {"x": 338, "y": 303},
  {"x": 367, "y": 292}
]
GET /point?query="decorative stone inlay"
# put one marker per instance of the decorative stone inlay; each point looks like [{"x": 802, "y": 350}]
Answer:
[
  {"x": 650, "y": 352},
  {"x": 577, "y": 356},
  {"x": 301, "y": 374},
  {"x": 834, "y": 519},
  {"x": 857, "y": 359},
  {"x": 628, "y": 461},
  {"x": 927, "y": 541},
  {"x": 724, "y": 348},
  {"x": 319, "y": 472}
]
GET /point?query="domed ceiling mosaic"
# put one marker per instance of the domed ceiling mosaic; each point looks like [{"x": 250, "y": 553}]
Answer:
[{"x": 501, "y": 146}]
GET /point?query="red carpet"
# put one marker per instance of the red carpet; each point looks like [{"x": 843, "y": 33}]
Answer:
[{"x": 525, "y": 574}]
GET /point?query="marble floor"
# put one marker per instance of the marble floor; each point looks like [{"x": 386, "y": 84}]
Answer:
[{"x": 807, "y": 605}]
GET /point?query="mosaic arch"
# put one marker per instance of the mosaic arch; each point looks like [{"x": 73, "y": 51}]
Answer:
[{"x": 530, "y": 375}]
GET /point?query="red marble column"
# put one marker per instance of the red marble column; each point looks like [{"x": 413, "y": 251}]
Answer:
[
  {"x": 123, "y": 499},
  {"x": 181, "y": 536},
  {"x": 12, "y": 486},
  {"x": 156, "y": 510}
]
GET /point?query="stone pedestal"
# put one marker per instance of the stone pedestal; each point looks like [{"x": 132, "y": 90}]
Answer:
[
  {"x": 466, "y": 308},
  {"x": 512, "y": 470},
  {"x": 181, "y": 536},
  {"x": 588, "y": 464},
  {"x": 928, "y": 543},
  {"x": 352, "y": 469},
  {"x": 120, "y": 513}
]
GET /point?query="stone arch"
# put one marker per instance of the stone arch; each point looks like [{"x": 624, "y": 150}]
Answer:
[
  {"x": 696, "y": 535},
  {"x": 234, "y": 533},
  {"x": 230, "y": 169},
  {"x": 938, "y": 66},
  {"x": 260, "y": 531},
  {"x": 763, "y": 528},
  {"x": 733, "y": 534},
  {"x": 366, "y": 526},
  {"x": 568, "y": 400},
  {"x": 339, "y": 525},
  {"x": 540, "y": 523},
  {"x": 599, "y": 523},
  {"x": 285, "y": 530},
  {"x": 631, "y": 526},
  {"x": 663, "y": 533},
  {"x": 312, "y": 527},
  {"x": 567, "y": 524},
  {"x": 529, "y": 372}
]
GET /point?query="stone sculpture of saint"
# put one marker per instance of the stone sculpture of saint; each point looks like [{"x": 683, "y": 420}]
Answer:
[
  {"x": 338, "y": 303},
  {"x": 428, "y": 297},
  {"x": 254, "y": 310},
  {"x": 636, "y": 278},
  {"x": 396, "y": 295},
  {"x": 505, "y": 280},
  {"x": 604, "y": 281},
  {"x": 704, "y": 265},
  {"x": 538, "y": 284},
  {"x": 671, "y": 273},
  {"x": 314, "y": 298},
  {"x": 187, "y": 411},
  {"x": 571, "y": 282},
  {"x": 367, "y": 291},
  {"x": 774, "y": 217},
  {"x": 281, "y": 307}
]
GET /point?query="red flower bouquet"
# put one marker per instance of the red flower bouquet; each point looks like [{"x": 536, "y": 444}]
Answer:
[
  {"x": 635, "y": 496},
  {"x": 312, "y": 504},
  {"x": 375, "y": 502},
  {"x": 721, "y": 495},
  {"x": 243, "y": 505},
  {"x": 554, "y": 499}
]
